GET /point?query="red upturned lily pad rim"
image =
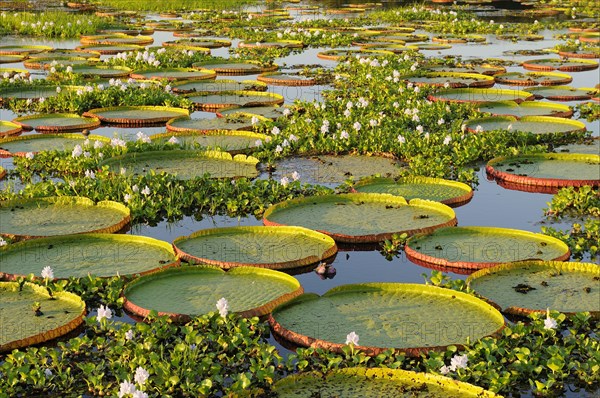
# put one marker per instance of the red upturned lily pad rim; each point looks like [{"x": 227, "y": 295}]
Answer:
[
  {"x": 308, "y": 341},
  {"x": 6, "y": 154},
  {"x": 577, "y": 125},
  {"x": 257, "y": 85},
  {"x": 175, "y": 129},
  {"x": 52, "y": 333},
  {"x": 538, "y": 181},
  {"x": 190, "y": 258},
  {"x": 109, "y": 49},
  {"x": 580, "y": 55},
  {"x": 518, "y": 95},
  {"x": 271, "y": 98},
  {"x": 80, "y": 200},
  {"x": 272, "y": 44},
  {"x": 136, "y": 121},
  {"x": 452, "y": 202},
  {"x": 435, "y": 262},
  {"x": 109, "y": 39},
  {"x": 554, "y": 64},
  {"x": 202, "y": 43},
  {"x": 369, "y": 238},
  {"x": 16, "y": 128},
  {"x": 22, "y": 121},
  {"x": 335, "y": 54},
  {"x": 260, "y": 68},
  {"x": 576, "y": 93},
  {"x": 271, "y": 78},
  {"x": 183, "y": 318},
  {"x": 61, "y": 239},
  {"x": 5, "y": 50},
  {"x": 523, "y": 311},
  {"x": 484, "y": 81}
]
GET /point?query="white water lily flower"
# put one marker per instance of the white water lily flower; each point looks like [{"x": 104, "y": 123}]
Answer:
[
  {"x": 352, "y": 338},
  {"x": 478, "y": 129},
  {"x": 549, "y": 322},
  {"x": 286, "y": 112},
  {"x": 445, "y": 370},
  {"x": 420, "y": 129},
  {"x": 344, "y": 135},
  {"x": 275, "y": 130},
  {"x": 143, "y": 137},
  {"x": 223, "y": 307},
  {"x": 173, "y": 140},
  {"x": 129, "y": 335},
  {"x": 47, "y": 372},
  {"x": 140, "y": 394},
  {"x": 47, "y": 272},
  {"x": 459, "y": 362},
  {"x": 126, "y": 388},
  {"x": 77, "y": 151},
  {"x": 90, "y": 174},
  {"x": 98, "y": 144},
  {"x": 447, "y": 140},
  {"x": 29, "y": 155},
  {"x": 401, "y": 139},
  {"x": 357, "y": 126},
  {"x": 103, "y": 313},
  {"x": 284, "y": 181},
  {"x": 254, "y": 120},
  {"x": 127, "y": 197},
  {"x": 441, "y": 121},
  {"x": 141, "y": 375},
  {"x": 295, "y": 176},
  {"x": 3, "y": 242},
  {"x": 146, "y": 190}
]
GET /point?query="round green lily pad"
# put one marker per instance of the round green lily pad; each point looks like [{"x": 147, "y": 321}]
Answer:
[
  {"x": 404, "y": 37},
  {"x": 9, "y": 59},
  {"x": 586, "y": 53},
  {"x": 526, "y": 108},
  {"x": 396, "y": 48},
  {"x": 477, "y": 95},
  {"x": 101, "y": 71},
  {"x": 385, "y": 315},
  {"x": 33, "y": 93},
  {"x": 552, "y": 170},
  {"x": 563, "y": 93},
  {"x": 217, "y": 86},
  {"x": 533, "y": 78},
  {"x": 103, "y": 255},
  {"x": 272, "y": 44},
  {"x": 451, "y": 38},
  {"x": 64, "y": 53},
  {"x": 185, "y": 164},
  {"x": 21, "y": 50},
  {"x": 227, "y": 140},
  {"x": 34, "y": 143},
  {"x": 375, "y": 383},
  {"x": 235, "y": 68},
  {"x": 196, "y": 42},
  {"x": 187, "y": 124},
  {"x": 62, "y": 215},
  {"x": 451, "y": 79},
  {"x": 116, "y": 39},
  {"x": 185, "y": 291},
  {"x": 568, "y": 65},
  {"x": 519, "y": 37},
  {"x": 329, "y": 169},
  {"x": 227, "y": 99},
  {"x": 136, "y": 115},
  {"x": 49, "y": 63},
  {"x": 361, "y": 217},
  {"x": 265, "y": 247},
  {"x": 591, "y": 146},
  {"x": 109, "y": 49},
  {"x": 528, "y": 124},
  {"x": 336, "y": 55},
  {"x": 472, "y": 248},
  {"x": 283, "y": 79},
  {"x": 9, "y": 128},
  {"x": 54, "y": 122},
  {"x": 10, "y": 72},
  {"x": 535, "y": 286},
  {"x": 22, "y": 326},
  {"x": 175, "y": 74},
  {"x": 488, "y": 70},
  {"x": 451, "y": 193},
  {"x": 261, "y": 112},
  {"x": 429, "y": 46}
]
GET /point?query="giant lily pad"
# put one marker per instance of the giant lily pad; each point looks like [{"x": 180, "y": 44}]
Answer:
[
  {"x": 9, "y": 128},
  {"x": 361, "y": 217},
  {"x": 478, "y": 95},
  {"x": 534, "y": 286},
  {"x": 64, "y": 53},
  {"x": 272, "y": 44},
  {"x": 526, "y": 108},
  {"x": 20, "y": 50},
  {"x": 471, "y": 248},
  {"x": 48, "y": 63},
  {"x": 375, "y": 383},
  {"x": 567, "y": 65},
  {"x": 185, "y": 164},
  {"x": 101, "y": 71},
  {"x": 265, "y": 247},
  {"x": 448, "y": 192},
  {"x": 63, "y": 215},
  {"x": 217, "y": 86},
  {"x": 489, "y": 70},
  {"x": 116, "y": 39},
  {"x": 187, "y": 124},
  {"x": 451, "y": 79},
  {"x": 183, "y": 292},
  {"x": 175, "y": 74},
  {"x": 234, "y": 98},
  {"x": 105, "y": 49},
  {"x": 282, "y": 79},
  {"x": 533, "y": 78},
  {"x": 21, "y": 326},
  {"x": 235, "y": 68},
  {"x": 552, "y": 170},
  {"x": 528, "y": 124},
  {"x": 9, "y": 59},
  {"x": 195, "y": 42},
  {"x": 77, "y": 256},
  {"x": 385, "y": 315},
  {"x": 54, "y": 122},
  {"x": 136, "y": 115},
  {"x": 20, "y": 146},
  {"x": 563, "y": 93},
  {"x": 33, "y": 92},
  {"x": 334, "y": 170},
  {"x": 261, "y": 112},
  {"x": 338, "y": 54},
  {"x": 226, "y": 140}
]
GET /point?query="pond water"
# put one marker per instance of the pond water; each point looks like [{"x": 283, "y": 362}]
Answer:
[{"x": 491, "y": 205}]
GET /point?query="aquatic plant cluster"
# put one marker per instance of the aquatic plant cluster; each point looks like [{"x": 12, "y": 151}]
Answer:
[{"x": 401, "y": 121}]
